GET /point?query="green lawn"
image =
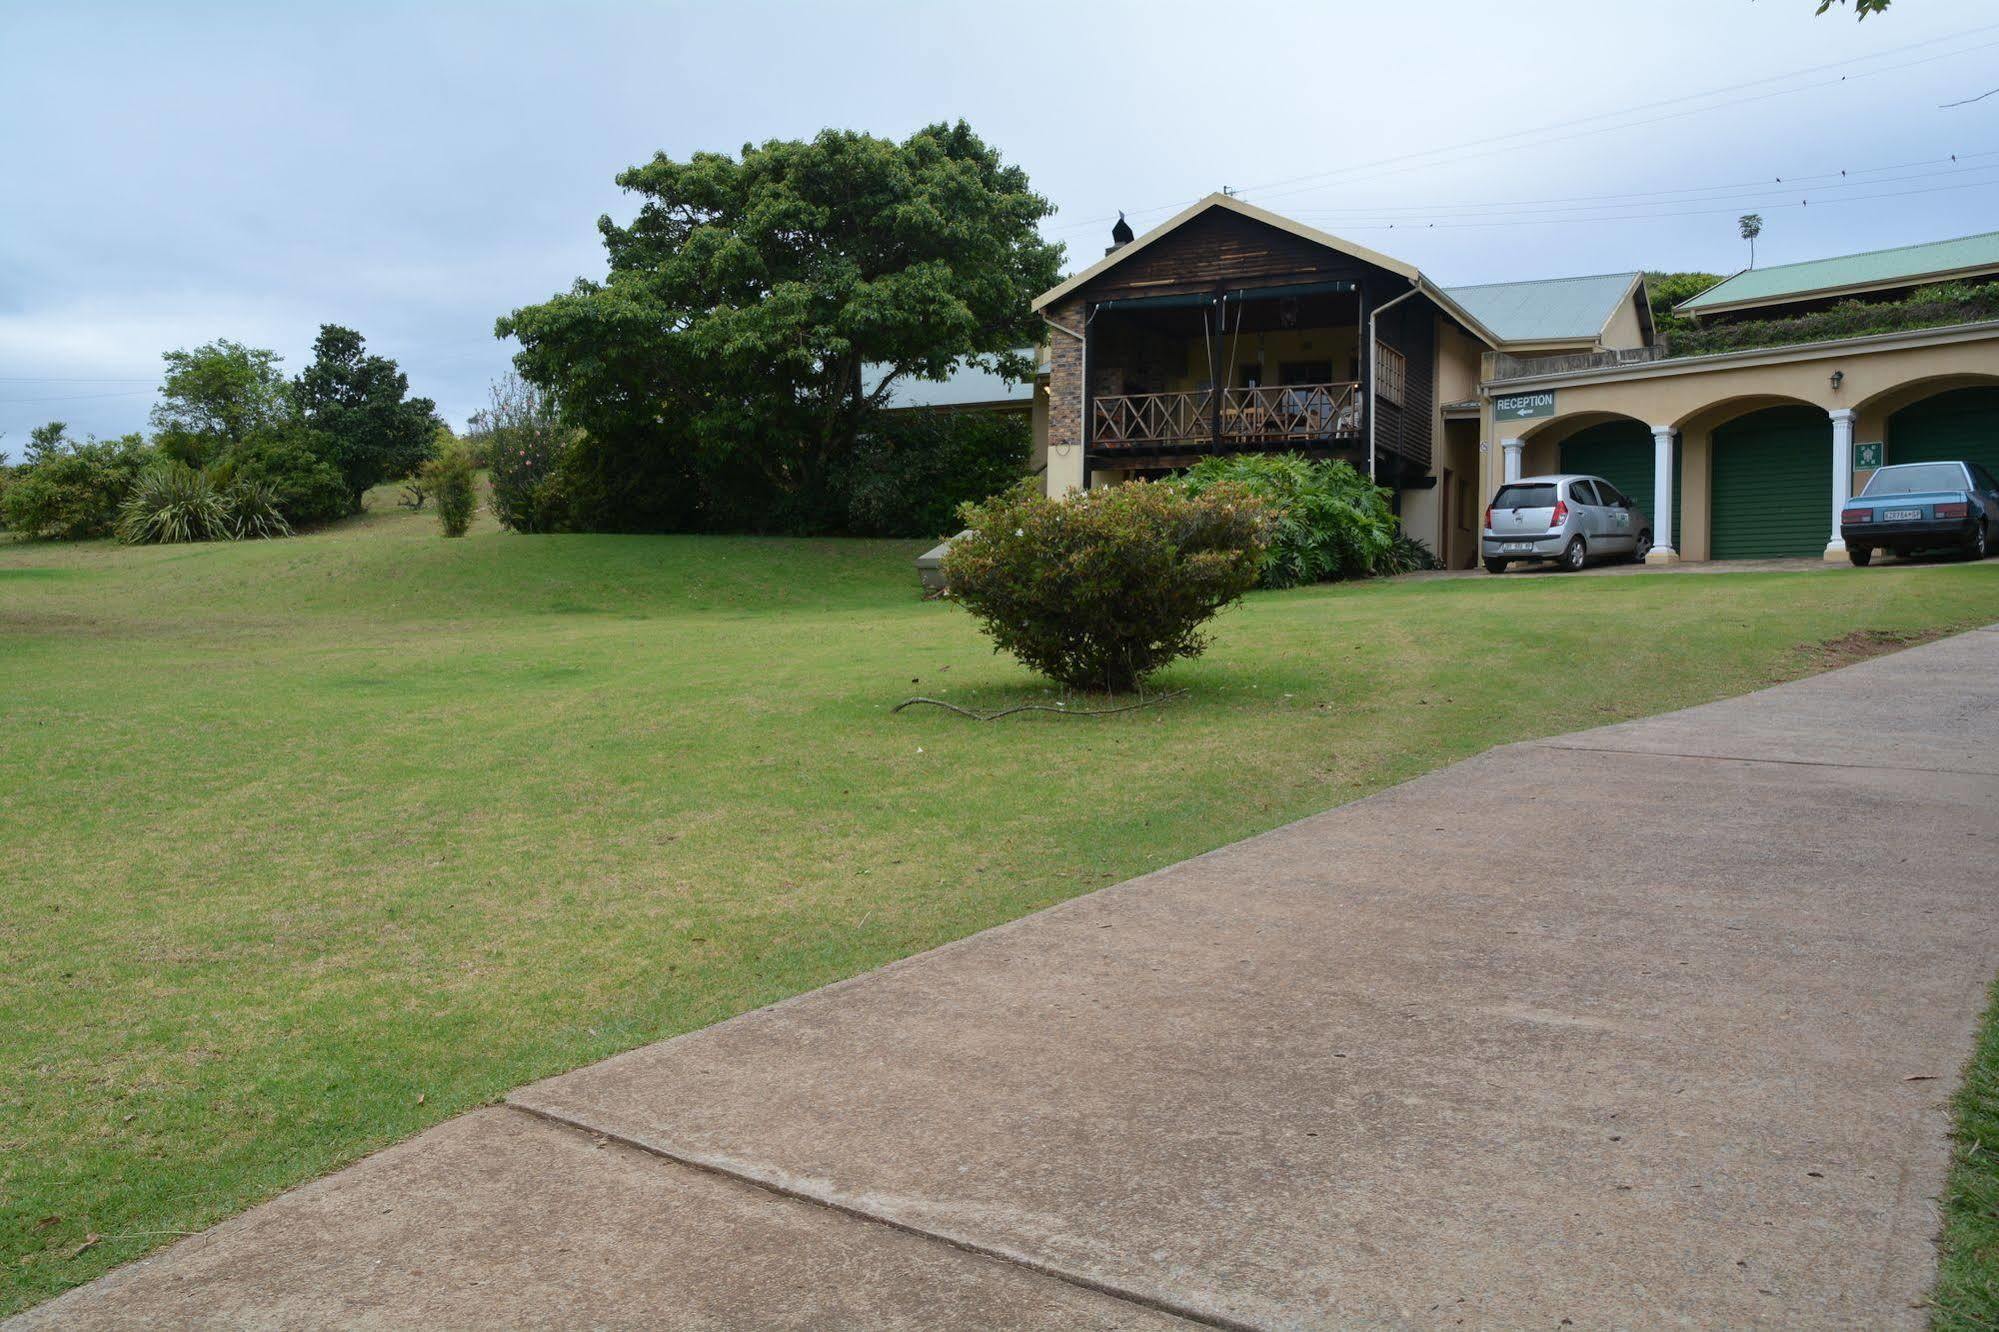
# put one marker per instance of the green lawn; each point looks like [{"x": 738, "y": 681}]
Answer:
[
  {"x": 309, "y": 844},
  {"x": 1967, "y": 1294}
]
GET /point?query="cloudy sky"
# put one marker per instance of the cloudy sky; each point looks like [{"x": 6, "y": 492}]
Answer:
[{"x": 177, "y": 173}]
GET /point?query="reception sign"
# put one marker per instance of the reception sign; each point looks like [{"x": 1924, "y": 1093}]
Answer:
[{"x": 1523, "y": 406}]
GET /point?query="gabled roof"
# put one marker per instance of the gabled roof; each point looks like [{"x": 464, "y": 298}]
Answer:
[
  {"x": 1249, "y": 210},
  {"x": 1851, "y": 274},
  {"x": 1227, "y": 203},
  {"x": 1575, "y": 309}
]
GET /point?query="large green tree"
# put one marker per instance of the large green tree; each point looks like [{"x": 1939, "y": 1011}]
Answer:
[
  {"x": 760, "y": 308},
  {"x": 216, "y": 397},
  {"x": 358, "y": 407}
]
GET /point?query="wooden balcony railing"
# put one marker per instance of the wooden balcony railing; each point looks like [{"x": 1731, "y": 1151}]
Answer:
[
  {"x": 1136, "y": 419},
  {"x": 1300, "y": 413}
]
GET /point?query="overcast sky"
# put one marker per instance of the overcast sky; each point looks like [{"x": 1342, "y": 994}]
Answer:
[{"x": 178, "y": 173}]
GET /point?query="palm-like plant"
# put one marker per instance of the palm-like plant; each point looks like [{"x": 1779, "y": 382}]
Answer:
[
  {"x": 173, "y": 503},
  {"x": 1751, "y": 225},
  {"x": 253, "y": 507}
]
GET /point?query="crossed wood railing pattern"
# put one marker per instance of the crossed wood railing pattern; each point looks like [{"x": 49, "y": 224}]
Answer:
[
  {"x": 1262, "y": 415},
  {"x": 1153, "y": 418}
]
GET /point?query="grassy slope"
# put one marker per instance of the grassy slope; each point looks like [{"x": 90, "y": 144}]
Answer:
[
  {"x": 1967, "y": 1295},
  {"x": 310, "y": 844}
]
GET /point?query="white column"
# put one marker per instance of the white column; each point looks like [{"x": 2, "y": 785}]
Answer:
[
  {"x": 1663, "y": 497},
  {"x": 1842, "y": 475},
  {"x": 1510, "y": 452}
]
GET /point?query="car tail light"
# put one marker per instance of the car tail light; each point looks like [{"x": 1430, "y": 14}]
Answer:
[
  {"x": 1951, "y": 510},
  {"x": 1488, "y": 517},
  {"x": 1559, "y": 516},
  {"x": 1856, "y": 515}
]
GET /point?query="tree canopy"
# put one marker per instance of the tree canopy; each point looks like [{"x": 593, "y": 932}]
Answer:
[
  {"x": 218, "y": 396},
  {"x": 358, "y": 407},
  {"x": 760, "y": 308}
]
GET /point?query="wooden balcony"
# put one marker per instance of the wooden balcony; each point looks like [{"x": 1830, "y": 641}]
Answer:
[{"x": 1276, "y": 415}]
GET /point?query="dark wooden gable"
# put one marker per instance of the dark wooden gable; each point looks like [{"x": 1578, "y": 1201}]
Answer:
[{"x": 1220, "y": 247}]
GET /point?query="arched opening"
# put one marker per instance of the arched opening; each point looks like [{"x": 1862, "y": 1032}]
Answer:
[
  {"x": 1770, "y": 483},
  {"x": 1623, "y": 452},
  {"x": 1956, "y": 424}
]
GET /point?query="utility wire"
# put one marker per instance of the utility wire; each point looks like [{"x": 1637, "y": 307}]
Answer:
[
  {"x": 1748, "y": 196},
  {"x": 1276, "y": 185},
  {"x": 81, "y": 397},
  {"x": 1649, "y": 216}
]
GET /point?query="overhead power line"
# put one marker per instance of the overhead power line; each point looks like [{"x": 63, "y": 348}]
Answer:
[
  {"x": 1595, "y": 120},
  {"x": 1780, "y": 189},
  {"x": 1406, "y": 225},
  {"x": 80, "y": 397}
]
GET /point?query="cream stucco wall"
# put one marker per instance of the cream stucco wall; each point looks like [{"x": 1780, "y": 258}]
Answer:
[
  {"x": 1624, "y": 329},
  {"x": 1877, "y": 377}
]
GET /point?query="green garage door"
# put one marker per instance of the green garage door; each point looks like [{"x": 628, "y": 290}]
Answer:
[
  {"x": 1771, "y": 485},
  {"x": 1622, "y": 453},
  {"x": 1961, "y": 425}
]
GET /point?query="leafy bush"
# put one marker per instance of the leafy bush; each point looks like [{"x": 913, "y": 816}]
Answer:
[
  {"x": 303, "y": 485},
  {"x": 452, "y": 480},
  {"x": 254, "y": 512},
  {"x": 1101, "y": 589},
  {"x": 1329, "y": 521},
  {"x": 1666, "y": 290},
  {"x": 1927, "y": 307},
  {"x": 1405, "y": 555},
  {"x": 73, "y": 492},
  {"x": 524, "y": 442},
  {"x": 172, "y": 502},
  {"x": 910, "y": 472}
]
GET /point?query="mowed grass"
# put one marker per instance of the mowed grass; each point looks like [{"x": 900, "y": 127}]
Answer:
[
  {"x": 306, "y": 845},
  {"x": 1967, "y": 1294}
]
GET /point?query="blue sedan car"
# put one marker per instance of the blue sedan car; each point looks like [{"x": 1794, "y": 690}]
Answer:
[{"x": 1922, "y": 506}]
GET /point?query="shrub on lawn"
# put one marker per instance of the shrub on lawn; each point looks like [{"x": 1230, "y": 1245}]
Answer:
[
  {"x": 254, "y": 513},
  {"x": 1329, "y": 521},
  {"x": 172, "y": 502},
  {"x": 72, "y": 492},
  {"x": 452, "y": 480},
  {"x": 303, "y": 486},
  {"x": 1101, "y": 589},
  {"x": 524, "y": 440}
]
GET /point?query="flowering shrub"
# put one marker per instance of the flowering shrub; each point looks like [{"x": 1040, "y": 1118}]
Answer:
[
  {"x": 523, "y": 441},
  {"x": 1102, "y": 589}
]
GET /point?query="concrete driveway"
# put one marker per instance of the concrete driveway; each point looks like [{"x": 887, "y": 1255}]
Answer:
[{"x": 1643, "y": 1026}]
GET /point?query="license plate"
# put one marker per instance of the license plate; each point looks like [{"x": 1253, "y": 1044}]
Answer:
[
  {"x": 1513, "y": 546},
  {"x": 1900, "y": 515}
]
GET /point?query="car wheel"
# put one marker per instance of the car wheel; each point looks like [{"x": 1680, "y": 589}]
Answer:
[
  {"x": 1495, "y": 566},
  {"x": 1641, "y": 548},
  {"x": 1574, "y": 555},
  {"x": 1860, "y": 555},
  {"x": 1979, "y": 546}
]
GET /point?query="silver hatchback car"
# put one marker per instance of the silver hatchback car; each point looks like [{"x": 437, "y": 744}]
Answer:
[{"x": 1567, "y": 518}]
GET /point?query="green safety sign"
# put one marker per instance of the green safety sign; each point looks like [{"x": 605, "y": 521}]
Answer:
[
  {"x": 1523, "y": 406},
  {"x": 1867, "y": 456}
]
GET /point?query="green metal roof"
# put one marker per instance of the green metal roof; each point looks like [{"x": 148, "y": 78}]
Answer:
[
  {"x": 1874, "y": 268},
  {"x": 1548, "y": 310}
]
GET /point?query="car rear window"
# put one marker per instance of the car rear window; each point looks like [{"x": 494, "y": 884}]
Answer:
[
  {"x": 1525, "y": 497},
  {"x": 1914, "y": 478}
]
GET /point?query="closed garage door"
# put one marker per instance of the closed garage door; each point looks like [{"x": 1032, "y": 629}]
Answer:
[
  {"x": 1622, "y": 453},
  {"x": 1771, "y": 485},
  {"x": 1961, "y": 424}
]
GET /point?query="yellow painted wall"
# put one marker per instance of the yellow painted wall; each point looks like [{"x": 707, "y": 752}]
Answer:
[
  {"x": 1624, "y": 330},
  {"x": 1266, "y": 352},
  {"x": 1874, "y": 381}
]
